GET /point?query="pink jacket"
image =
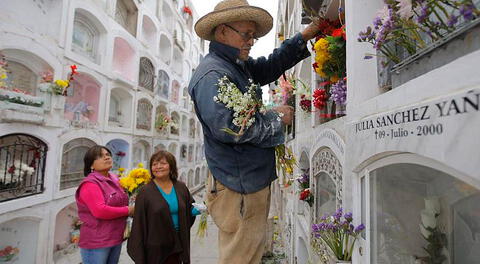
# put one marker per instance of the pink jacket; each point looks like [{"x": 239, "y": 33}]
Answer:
[{"x": 104, "y": 230}]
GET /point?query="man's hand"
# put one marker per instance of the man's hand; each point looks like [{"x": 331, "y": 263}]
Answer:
[
  {"x": 311, "y": 30},
  {"x": 286, "y": 113}
]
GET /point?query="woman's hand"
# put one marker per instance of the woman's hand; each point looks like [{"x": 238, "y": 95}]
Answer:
[
  {"x": 200, "y": 207},
  {"x": 131, "y": 210}
]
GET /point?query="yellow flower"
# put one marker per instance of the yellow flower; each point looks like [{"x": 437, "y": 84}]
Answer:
[
  {"x": 275, "y": 217},
  {"x": 125, "y": 182},
  {"x": 334, "y": 79},
  {"x": 121, "y": 169},
  {"x": 321, "y": 44},
  {"x": 140, "y": 165},
  {"x": 62, "y": 83},
  {"x": 132, "y": 187},
  {"x": 289, "y": 170},
  {"x": 3, "y": 76},
  {"x": 139, "y": 180},
  {"x": 321, "y": 57}
]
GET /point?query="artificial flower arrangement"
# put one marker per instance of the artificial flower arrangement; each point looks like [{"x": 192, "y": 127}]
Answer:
[
  {"x": 14, "y": 95},
  {"x": 411, "y": 25},
  {"x": 304, "y": 185},
  {"x": 431, "y": 232},
  {"x": 135, "y": 179},
  {"x": 163, "y": 121},
  {"x": 8, "y": 253},
  {"x": 307, "y": 196},
  {"x": 301, "y": 89},
  {"x": 18, "y": 96},
  {"x": 244, "y": 107},
  {"x": 338, "y": 94},
  {"x": 320, "y": 98},
  {"x": 338, "y": 233},
  {"x": 330, "y": 51},
  {"x": 15, "y": 173},
  {"x": 57, "y": 87}
]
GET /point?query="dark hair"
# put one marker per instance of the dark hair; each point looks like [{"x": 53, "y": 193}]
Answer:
[
  {"x": 91, "y": 155},
  {"x": 172, "y": 162}
]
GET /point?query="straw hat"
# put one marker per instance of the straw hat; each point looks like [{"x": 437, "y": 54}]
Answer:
[{"x": 230, "y": 11}]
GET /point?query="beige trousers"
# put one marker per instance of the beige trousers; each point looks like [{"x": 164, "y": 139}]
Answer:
[{"x": 242, "y": 223}]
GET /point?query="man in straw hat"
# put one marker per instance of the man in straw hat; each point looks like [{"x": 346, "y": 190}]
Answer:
[{"x": 238, "y": 195}]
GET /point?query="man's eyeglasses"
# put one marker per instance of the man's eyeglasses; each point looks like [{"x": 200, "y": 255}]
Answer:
[{"x": 245, "y": 36}]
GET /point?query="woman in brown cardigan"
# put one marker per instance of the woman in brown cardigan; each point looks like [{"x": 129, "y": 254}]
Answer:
[{"x": 163, "y": 216}]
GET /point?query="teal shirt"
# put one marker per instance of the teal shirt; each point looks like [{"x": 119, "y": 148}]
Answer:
[{"x": 172, "y": 201}]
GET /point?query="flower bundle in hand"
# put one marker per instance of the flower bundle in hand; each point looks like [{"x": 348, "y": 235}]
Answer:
[
  {"x": 135, "y": 179},
  {"x": 244, "y": 107},
  {"x": 285, "y": 160},
  {"x": 202, "y": 225}
]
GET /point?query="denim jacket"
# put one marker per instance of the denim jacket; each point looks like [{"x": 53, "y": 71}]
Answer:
[{"x": 243, "y": 164}]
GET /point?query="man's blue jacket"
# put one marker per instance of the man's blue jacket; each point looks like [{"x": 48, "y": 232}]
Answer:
[{"x": 243, "y": 164}]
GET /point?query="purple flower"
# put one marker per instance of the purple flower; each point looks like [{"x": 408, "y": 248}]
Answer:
[
  {"x": 377, "y": 22},
  {"x": 452, "y": 20},
  {"x": 339, "y": 92},
  {"x": 366, "y": 35},
  {"x": 304, "y": 179},
  {"x": 467, "y": 11},
  {"x": 423, "y": 14},
  {"x": 385, "y": 29},
  {"x": 348, "y": 216},
  {"x": 367, "y": 57},
  {"x": 338, "y": 214},
  {"x": 359, "y": 228}
]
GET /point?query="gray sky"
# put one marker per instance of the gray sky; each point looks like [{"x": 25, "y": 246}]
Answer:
[{"x": 265, "y": 45}]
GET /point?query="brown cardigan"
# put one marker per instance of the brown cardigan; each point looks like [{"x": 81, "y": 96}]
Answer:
[{"x": 152, "y": 238}]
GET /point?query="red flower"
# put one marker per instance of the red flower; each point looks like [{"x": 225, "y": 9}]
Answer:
[
  {"x": 11, "y": 170},
  {"x": 320, "y": 98},
  {"x": 73, "y": 68},
  {"x": 187, "y": 10},
  {"x": 327, "y": 27},
  {"x": 121, "y": 154},
  {"x": 337, "y": 32},
  {"x": 304, "y": 194},
  {"x": 305, "y": 104}
]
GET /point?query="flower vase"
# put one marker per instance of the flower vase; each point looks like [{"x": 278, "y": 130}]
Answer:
[
  {"x": 340, "y": 110},
  {"x": 58, "y": 102}
]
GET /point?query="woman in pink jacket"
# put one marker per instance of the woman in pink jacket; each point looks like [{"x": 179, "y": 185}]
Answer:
[{"x": 102, "y": 207}]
